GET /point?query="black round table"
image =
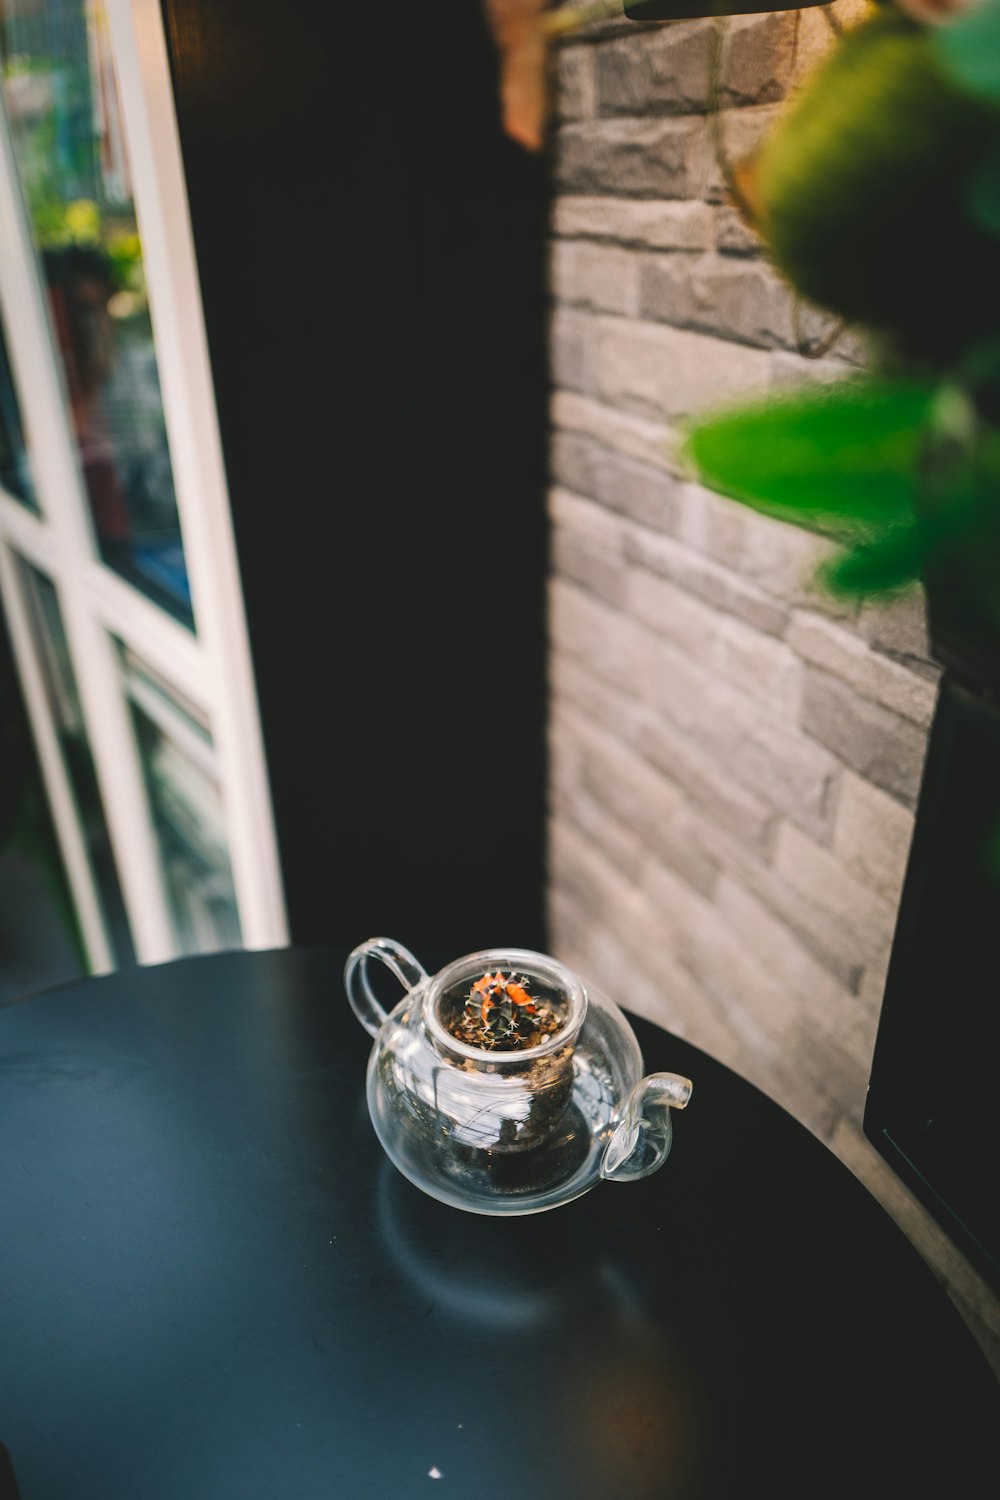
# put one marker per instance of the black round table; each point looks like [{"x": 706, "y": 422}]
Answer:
[{"x": 214, "y": 1286}]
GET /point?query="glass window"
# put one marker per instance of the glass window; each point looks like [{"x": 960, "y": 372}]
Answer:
[
  {"x": 179, "y": 766},
  {"x": 64, "y": 703},
  {"x": 61, "y": 99},
  {"x": 15, "y": 475}
]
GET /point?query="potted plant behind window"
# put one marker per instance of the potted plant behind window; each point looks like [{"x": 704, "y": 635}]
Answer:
[{"x": 877, "y": 195}]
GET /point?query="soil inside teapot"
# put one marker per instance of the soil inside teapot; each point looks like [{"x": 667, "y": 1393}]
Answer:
[{"x": 500, "y": 1013}]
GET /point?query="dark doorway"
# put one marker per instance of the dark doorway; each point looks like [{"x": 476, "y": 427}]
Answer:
[{"x": 370, "y": 249}]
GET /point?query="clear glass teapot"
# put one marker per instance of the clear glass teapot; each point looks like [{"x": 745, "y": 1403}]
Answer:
[{"x": 503, "y": 1085}]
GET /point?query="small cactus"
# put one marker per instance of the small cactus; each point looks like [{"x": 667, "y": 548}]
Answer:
[{"x": 500, "y": 1013}]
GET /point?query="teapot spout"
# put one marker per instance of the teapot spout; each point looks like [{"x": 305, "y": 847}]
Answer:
[{"x": 643, "y": 1139}]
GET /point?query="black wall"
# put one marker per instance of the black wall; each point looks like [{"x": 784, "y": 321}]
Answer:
[
  {"x": 371, "y": 256},
  {"x": 931, "y": 1110}
]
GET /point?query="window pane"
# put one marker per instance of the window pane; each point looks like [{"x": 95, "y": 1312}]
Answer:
[
  {"x": 64, "y": 703},
  {"x": 179, "y": 766},
  {"x": 61, "y": 99},
  {"x": 15, "y": 476}
]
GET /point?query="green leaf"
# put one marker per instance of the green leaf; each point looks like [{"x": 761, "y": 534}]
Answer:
[
  {"x": 840, "y": 459},
  {"x": 969, "y": 49},
  {"x": 884, "y": 566}
]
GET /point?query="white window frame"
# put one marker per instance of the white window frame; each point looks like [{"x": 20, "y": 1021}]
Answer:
[{"x": 212, "y": 667}]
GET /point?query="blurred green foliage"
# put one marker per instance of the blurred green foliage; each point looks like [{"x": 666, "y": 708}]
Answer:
[{"x": 901, "y": 467}]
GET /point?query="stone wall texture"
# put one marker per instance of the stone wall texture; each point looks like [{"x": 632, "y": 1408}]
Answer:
[{"x": 735, "y": 758}]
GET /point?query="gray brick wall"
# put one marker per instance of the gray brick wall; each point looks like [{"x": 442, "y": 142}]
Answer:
[{"x": 735, "y": 758}]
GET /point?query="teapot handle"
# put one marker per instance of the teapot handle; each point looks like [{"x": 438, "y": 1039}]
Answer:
[{"x": 397, "y": 959}]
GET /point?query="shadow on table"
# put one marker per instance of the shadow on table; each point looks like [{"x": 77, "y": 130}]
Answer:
[{"x": 629, "y": 1394}]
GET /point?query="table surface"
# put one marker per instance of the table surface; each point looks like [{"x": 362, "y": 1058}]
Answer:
[{"x": 214, "y": 1286}]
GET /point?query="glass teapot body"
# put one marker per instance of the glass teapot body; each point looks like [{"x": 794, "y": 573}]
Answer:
[{"x": 503, "y": 1085}]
